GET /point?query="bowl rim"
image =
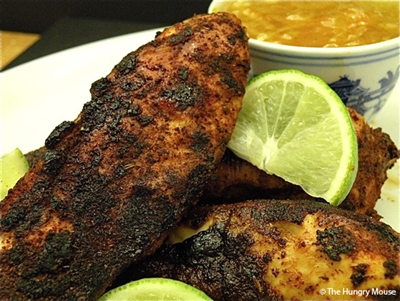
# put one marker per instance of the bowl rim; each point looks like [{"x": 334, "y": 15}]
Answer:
[{"x": 375, "y": 48}]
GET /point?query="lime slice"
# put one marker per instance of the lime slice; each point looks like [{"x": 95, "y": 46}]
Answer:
[
  {"x": 152, "y": 289},
  {"x": 295, "y": 126},
  {"x": 13, "y": 167}
]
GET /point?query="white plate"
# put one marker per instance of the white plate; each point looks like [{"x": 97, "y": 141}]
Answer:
[{"x": 39, "y": 95}]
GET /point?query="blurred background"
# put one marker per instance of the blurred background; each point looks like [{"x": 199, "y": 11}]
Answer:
[{"x": 34, "y": 28}]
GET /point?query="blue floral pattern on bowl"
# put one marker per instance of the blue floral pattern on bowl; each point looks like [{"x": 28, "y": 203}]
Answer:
[{"x": 364, "y": 101}]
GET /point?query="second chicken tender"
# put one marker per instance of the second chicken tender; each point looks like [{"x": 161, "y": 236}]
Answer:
[
  {"x": 280, "y": 250},
  {"x": 237, "y": 180}
]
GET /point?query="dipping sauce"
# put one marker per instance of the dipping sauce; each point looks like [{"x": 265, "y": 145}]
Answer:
[{"x": 317, "y": 23}]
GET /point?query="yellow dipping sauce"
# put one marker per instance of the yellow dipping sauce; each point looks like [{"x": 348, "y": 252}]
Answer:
[{"x": 317, "y": 23}]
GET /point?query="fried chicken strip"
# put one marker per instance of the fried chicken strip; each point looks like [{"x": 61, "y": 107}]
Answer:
[
  {"x": 237, "y": 180},
  {"x": 114, "y": 182},
  {"x": 279, "y": 250}
]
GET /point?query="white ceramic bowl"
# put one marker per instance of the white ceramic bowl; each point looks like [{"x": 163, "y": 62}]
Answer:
[{"x": 363, "y": 76}]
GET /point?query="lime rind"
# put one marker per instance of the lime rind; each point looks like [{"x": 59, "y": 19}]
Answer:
[
  {"x": 149, "y": 289},
  {"x": 13, "y": 166},
  {"x": 281, "y": 128}
]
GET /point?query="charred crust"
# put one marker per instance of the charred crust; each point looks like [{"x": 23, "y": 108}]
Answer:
[
  {"x": 108, "y": 110},
  {"x": 134, "y": 110},
  {"x": 96, "y": 158},
  {"x": 128, "y": 63},
  {"x": 183, "y": 94},
  {"x": 53, "y": 161},
  {"x": 233, "y": 84},
  {"x": 196, "y": 180},
  {"x": 134, "y": 83},
  {"x": 240, "y": 35},
  {"x": 58, "y": 133},
  {"x": 48, "y": 288},
  {"x": 359, "y": 274},
  {"x": 222, "y": 65},
  {"x": 127, "y": 86},
  {"x": 267, "y": 258},
  {"x": 181, "y": 37},
  {"x": 56, "y": 252},
  {"x": 276, "y": 235},
  {"x": 23, "y": 218},
  {"x": 155, "y": 43},
  {"x": 92, "y": 203},
  {"x": 336, "y": 241},
  {"x": 232, "y": 39},
  {"x": 93, "y": 112},
  {"x": 201, "y": 142},
  {"x": 208, "y": 254},
  {"x": 282, "y": 211},
  {"x": 183, "y": 73},
  {"x": 384, "y": 232},
  {"x": 15, "y": 254},
  {"x": 208, "y": 25},
  {"x": 12, "y": 218},
  {"x": 149, "y": 212},
  {"x": 144, "y": 120},
  {"x": 391, "y": 268},
  {"x": 100, "y": 85},
  {"x": 199, "y": 173},
  {"x": 133, "y": 86},
  {"x": 120, "y": 172}
]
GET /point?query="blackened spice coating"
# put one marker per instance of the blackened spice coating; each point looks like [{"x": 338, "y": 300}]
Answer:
[
  {"x": 336, "y": 241},
  {"x": 113, "y": 183},
  {"x": 57, "y": 134},
  {"x": 279, "y": 250},
  {"x": 359, "y": 275}
]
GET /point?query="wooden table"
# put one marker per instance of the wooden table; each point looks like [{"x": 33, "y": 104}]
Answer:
[
  {"x": 13, "y": 44},
  {"x": 63, "y": 34}
]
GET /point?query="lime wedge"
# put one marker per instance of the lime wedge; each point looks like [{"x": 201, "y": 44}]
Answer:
[
  {"x": 13, "y": 166},
  {"x": 152, "y": 289},
  {"x": 295, "y": 126}
]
